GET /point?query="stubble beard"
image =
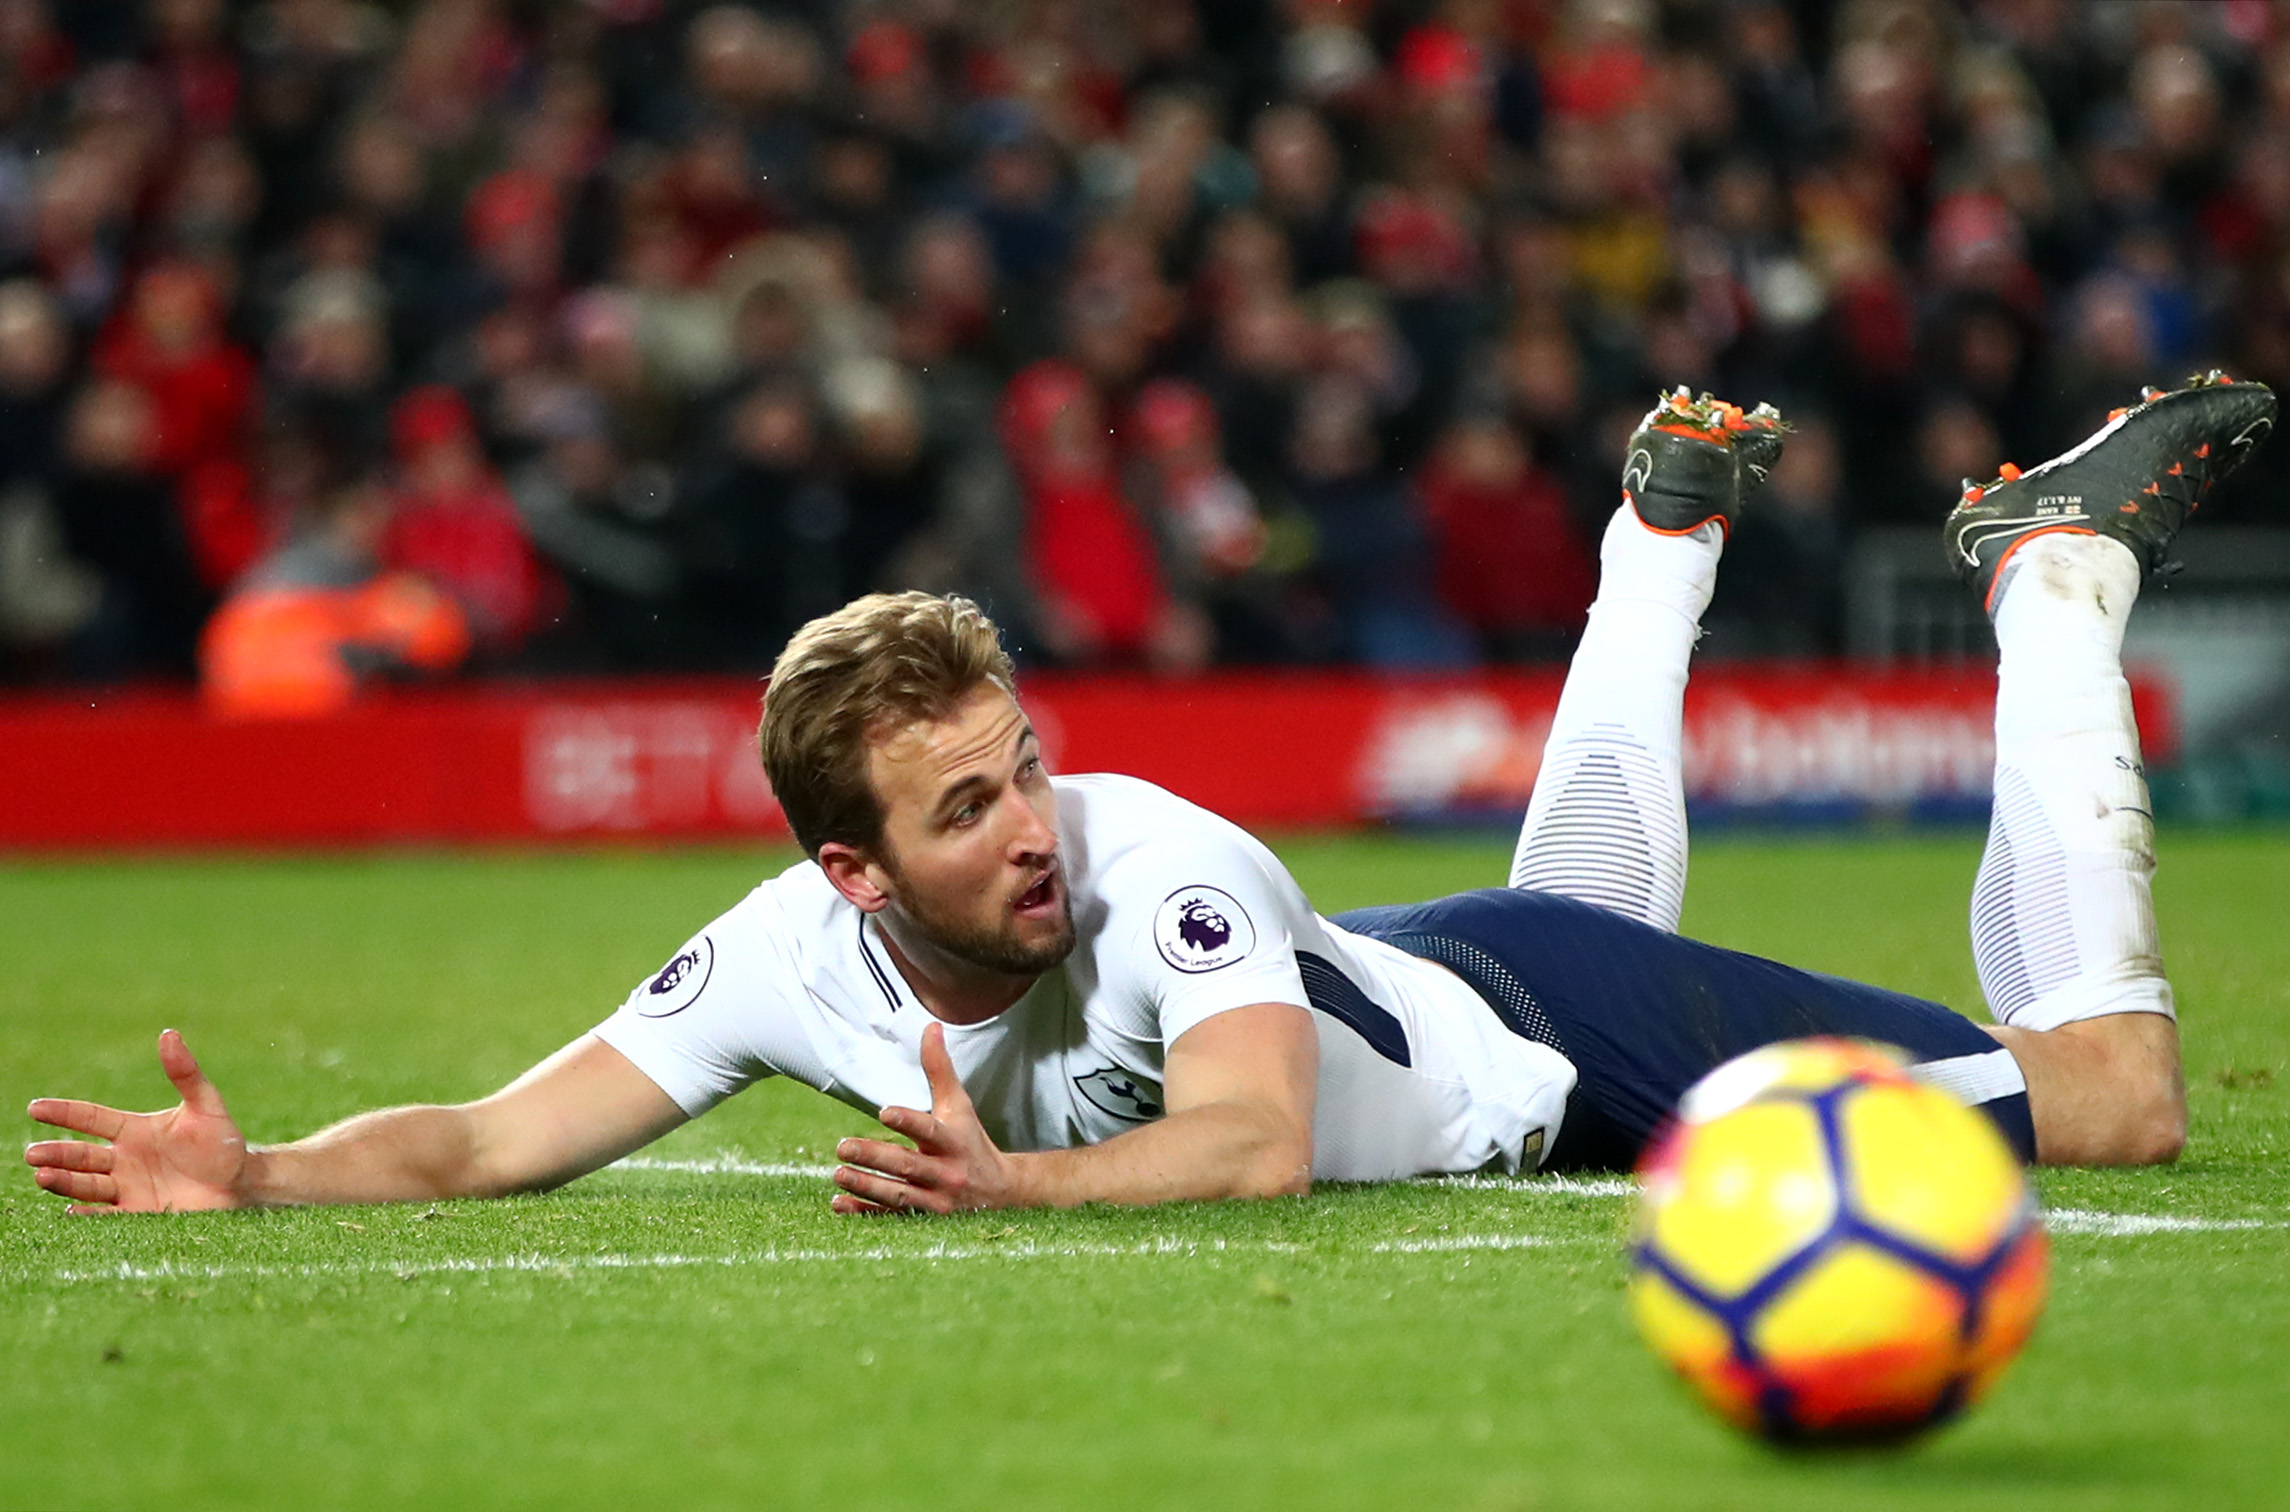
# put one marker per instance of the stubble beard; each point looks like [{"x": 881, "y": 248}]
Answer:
[{"x": 998, "y": 950}]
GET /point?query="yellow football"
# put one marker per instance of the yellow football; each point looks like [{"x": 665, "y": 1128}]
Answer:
[{"x": 1830, "y": 1250}]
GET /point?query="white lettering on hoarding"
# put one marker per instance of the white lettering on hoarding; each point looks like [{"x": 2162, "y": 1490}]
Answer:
[
  {"x": 634, "y": 768},
  {"x": 1476, "y": 750}
]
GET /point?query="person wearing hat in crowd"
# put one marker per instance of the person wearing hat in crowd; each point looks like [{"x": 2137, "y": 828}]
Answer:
[{"x": 455, "y": 524}]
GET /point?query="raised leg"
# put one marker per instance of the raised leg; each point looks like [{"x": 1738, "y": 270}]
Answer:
[
  {"x": 1607, "y": 822},
  {"x": 2063, "y": 919}
]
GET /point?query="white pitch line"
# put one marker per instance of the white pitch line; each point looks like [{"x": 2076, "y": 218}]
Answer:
[
  {"x": 1459, "y": 1242},
  {"x": 168, "y": 1270},
  {"x": 720, "y": 1165},
  {"x": 2076, "y": 1221},
  {"x": 1557, "y": 1186},
  {"x": 2131, "y": 1225}
]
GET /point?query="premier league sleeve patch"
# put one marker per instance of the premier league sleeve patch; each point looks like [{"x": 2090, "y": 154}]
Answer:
[
  {"x": 1202, "y": 928},
  {"x": 679, "y": 983}
]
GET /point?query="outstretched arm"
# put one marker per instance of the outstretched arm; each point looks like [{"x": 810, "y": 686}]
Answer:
[
  {"x": 582, "y": 1108},
  {"x": 1239, "y": 1089}
]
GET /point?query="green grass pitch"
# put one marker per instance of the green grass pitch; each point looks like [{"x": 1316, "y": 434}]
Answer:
[{"x": 696, "y": 1330}]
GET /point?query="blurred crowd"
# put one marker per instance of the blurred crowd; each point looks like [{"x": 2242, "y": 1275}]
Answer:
[{"x": 343, "y": 339}]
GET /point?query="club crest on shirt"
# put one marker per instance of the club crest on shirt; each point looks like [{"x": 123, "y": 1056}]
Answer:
[
  {"x": 680, "y": 982},
  {"x": 1200, "y": 928},
  {"x": 1130, "y": 1098}
]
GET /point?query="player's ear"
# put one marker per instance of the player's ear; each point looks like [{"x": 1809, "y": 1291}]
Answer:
[{"x": 851, "y": 873}]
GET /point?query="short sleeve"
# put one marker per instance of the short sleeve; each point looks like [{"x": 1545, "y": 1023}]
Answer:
[
  {"x": 1197, "y": 927},
  {"x": 715, "y": 1019}
]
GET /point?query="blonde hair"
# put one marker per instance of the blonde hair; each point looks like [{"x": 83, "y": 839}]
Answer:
[{"x": 876, "y": 664}]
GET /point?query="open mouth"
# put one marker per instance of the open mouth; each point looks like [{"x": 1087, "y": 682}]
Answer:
[{"x": 1039, "y": 898}]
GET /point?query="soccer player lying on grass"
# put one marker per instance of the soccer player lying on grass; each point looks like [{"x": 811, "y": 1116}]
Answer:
[{"x": 1076, "y": 989}]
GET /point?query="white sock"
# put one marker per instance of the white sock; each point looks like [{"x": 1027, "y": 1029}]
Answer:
[
  {"x": 2063, "y": 919},
  {"x": 1607, "y": 823}
]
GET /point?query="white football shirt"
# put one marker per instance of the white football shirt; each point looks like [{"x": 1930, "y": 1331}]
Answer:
[{"x": 1179, "y": 915}]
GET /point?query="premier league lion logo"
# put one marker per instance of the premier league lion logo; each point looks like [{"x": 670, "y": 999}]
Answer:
[
  {"x": 1200, "y": 928},
  {"x": 680, "y": 982},
  {"x": 672, "y": 975}
]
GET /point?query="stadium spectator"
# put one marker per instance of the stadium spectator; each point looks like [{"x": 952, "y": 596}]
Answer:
[
  {"x": 319, "y": 616},
  {"x": 1915, "y": 208},
  {"x": 170, "y": 343},
  {"x": 1215, "y": 544},
  {"x": 452, "y": 523},
  {"x": 306, "y": 64},
  {"x": 330, "y": 358},
  {"x": 1510, "y": 562},
  {"x": 604, "y": 528},
  {"x": 44, "y": 595},
  {"x": 35, "y": 359},
  {"x": 1096, "y": 575},
  {"x": 893, "y": 477},
  {"x": 1779, "y": 594},
  {"x": 384, "y": 182},
  {"x": 119, "y": 519},
  {"x": 609, "y": 361},
  {"x": 1300, "y": 179},
  {"x": 764, "y": 529},
  {"x": 1019, "y": 194},
  {"x": 1263, "y": 343},
  {"x": 2110, "y": 336},
  {"x": 1372, "y": 557}
]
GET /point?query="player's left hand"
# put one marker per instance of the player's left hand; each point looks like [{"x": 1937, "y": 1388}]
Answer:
[{"x": 953, "y": 1168}]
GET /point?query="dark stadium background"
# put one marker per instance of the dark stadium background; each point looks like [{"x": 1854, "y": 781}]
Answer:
[
  {"x": 1264, "y": 365},
  {"x": 428, "y": 419}
]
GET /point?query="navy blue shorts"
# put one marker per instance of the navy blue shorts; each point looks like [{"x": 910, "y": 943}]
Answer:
[{"x": 1643, "y": 1014}]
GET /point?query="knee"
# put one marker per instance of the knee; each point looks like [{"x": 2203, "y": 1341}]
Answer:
[
  {"x": 2155, "y": 1130},
  {"x": 2105, "y": 1091},
  {"x": 2151, "y": 1131},
  {"x": 2148, "y": 1089}
]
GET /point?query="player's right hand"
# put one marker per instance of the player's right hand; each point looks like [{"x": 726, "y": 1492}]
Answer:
[{"x": 189, "y": 1157}]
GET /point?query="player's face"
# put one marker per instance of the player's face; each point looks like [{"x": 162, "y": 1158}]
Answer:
[{"x": 970, "y": 836}]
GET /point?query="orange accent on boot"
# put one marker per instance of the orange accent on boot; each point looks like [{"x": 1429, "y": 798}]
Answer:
[
  {"x": 1997, "y": 575},
  {"x": 1723, "y": 528}
]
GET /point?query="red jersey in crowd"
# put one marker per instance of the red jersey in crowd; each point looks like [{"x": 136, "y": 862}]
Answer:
[
  {"x": 170, "y": 344},
  {"x": 1510, "y": 557},
  {"x": 455, "y": 524},
  {"x": 1093, "y": 560}
]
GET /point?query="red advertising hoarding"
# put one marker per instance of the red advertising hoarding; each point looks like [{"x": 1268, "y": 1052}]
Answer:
[{"x": 677, "y": 759}]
